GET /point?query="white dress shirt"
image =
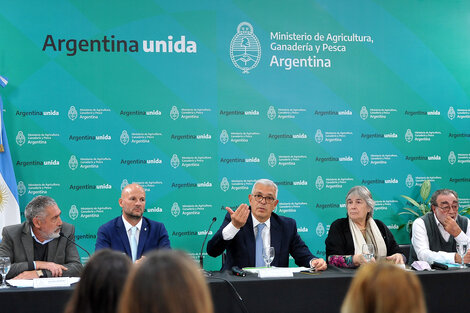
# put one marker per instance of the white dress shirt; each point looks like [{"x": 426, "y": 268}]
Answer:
[
  {"x": 128, "y": 229},
  {"x": 420, "y": 242}
]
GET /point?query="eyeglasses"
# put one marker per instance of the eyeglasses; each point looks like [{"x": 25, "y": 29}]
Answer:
[
  {"x": 454, "y": 207},
  {"x": 260, "y": 198}
]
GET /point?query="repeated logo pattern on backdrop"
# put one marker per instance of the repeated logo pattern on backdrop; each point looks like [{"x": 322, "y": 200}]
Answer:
[{"x": 197, "y": 101}]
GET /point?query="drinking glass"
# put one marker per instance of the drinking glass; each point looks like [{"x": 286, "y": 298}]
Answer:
[
  {"x": 268, "y": 255},
  {"x": 462, "y": 250},
  {"x": 368, "y": 251},
  {"x": 4, "y": 268}
]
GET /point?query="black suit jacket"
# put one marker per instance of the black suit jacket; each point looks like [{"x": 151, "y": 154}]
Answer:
[
  {"x": 241, "y": 249},
  {"x": 340, "y": 241},
  {"x": 18, "y": 244}
]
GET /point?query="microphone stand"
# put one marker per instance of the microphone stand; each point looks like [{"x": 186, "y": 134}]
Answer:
[
  {"x": 201, "y": 258},
  {"x": 61, "y": 234}
]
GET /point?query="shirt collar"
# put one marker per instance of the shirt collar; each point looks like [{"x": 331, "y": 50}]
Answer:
[
  {"x": 437, "y": 221},
  {"x": 256, "y": 222},
  {"x": 37, "y": 240},
  {"x": 129, "y": 226}
]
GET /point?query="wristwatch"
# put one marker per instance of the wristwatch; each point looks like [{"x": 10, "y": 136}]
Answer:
[{"x": 40, "y": 273}]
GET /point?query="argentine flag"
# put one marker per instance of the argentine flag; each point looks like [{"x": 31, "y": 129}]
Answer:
[{"x": 9, "y": 208}]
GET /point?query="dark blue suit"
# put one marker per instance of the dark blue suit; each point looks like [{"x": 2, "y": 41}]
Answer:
[
  {"x": 241, "y": 249},
  {"x": 153, "y": 235}
]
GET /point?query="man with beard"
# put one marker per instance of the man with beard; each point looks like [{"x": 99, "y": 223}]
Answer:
[
  {"x": 435, "y": 235},
  {"x": 132, "y": 233},
  {"x": 36, "y": 247}
]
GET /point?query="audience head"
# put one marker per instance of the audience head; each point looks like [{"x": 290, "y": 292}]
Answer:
[
  {"x": 384, "y": 288},
  {"x": 101, "y": 283},
  {"x": 166, "y": 281}
]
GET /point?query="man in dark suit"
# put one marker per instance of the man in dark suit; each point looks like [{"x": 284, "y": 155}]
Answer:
[
  {"x": 132, "y": 233},
  {"x": 36, "y": 248},
  {"x": 239, "y": 236}
]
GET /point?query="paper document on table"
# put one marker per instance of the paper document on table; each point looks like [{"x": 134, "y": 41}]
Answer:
[
  {"x": 54, "y": 282},
  {"x": 265, "y": 272},
  {"x": 20, "y": 282},
  {"x": 256, "y": 270},
  {"x": 44, "y": 282},
  {"x": 275, "y": 272}
]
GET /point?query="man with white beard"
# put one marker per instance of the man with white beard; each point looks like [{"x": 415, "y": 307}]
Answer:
[{"x": 36, "y": 247}]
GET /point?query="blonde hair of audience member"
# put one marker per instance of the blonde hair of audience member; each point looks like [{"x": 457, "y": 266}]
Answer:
[
  {"x": 101, "y": 283},
  {"x": 384, "y": 288},
  {"x": 166, "y": 281}
]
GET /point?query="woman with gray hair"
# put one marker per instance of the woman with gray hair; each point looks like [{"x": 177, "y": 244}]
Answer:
[{"x": 347, "y": 235}]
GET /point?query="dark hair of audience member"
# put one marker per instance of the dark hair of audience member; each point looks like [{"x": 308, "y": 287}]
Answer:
[
  {"x": 384, "y": 288},
  {"x": 101, "y": 283},
  {"x": 166, "y": 281}
]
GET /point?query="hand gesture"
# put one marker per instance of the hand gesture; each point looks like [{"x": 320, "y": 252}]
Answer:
[
  {"x": 55, "y": 269},
  {"x": 451, "y": 226},
  {"x": 240, "y": 216},
  {"x": 318, "y": 264},
  {"x": 27, "y": 275},
  {"x": 396, "y": 258},
  {"x": 466, "y": 258}
]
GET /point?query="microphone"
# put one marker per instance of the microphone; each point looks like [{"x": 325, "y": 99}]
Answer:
[
  {"x": 439, "y": 266},
  {"x": 238, "y": 271},
  {"x": 61, "y": 234},
  {"x": 201, "y": 260}
]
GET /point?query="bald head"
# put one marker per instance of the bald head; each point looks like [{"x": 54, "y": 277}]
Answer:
[
  {"x": 132, "y": 187},
  {"x": 132, "y": 202}
]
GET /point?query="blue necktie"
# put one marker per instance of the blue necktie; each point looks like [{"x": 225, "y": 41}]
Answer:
[
  {"x": 133, "y": 243},
  {"x": 259, "y": 246}
]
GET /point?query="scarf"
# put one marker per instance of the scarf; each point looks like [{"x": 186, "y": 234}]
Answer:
[{"x": 373, "y": 236}]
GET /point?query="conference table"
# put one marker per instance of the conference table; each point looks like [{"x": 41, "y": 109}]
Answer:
[{"x": 445, "y": 291}]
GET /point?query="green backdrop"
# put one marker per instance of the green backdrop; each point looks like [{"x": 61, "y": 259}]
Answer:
[{"x": 195, "y": 100}]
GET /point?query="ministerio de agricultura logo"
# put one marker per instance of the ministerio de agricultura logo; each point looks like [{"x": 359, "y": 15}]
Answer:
[
  {"x": 245, "y": 49},
  {"x": 175, "y": 209},
  {"x": 272, "y": 161},
  {"x": 72, "y": 114},
  {"x": 124, "y": 183},
  {"x": 73, "y": 212},
  {"x": 73, "y": 163},
  {"x": 124, "y": 138},
  {"x": 271, "y": 113},
  {"x": 174, "y": 113},
  {"x": 408, "y": 135},
  {"x": 319, "y": 183},
  {"x": 409, "y": 181},
  {"x": 224, "y": 184},
  {"x": 363, "y": 114},
  {"x": 451, "y": 113},
  {"x": 364, "y": 159},
  {"x": 318, "y": 136},
  {"x": 20, "y": 138},
  {"x": 452, "y": 158},
  {"x": 175, "y": 161},
  {"x": 320, "y": 230},
  {"x": 21, "y": 188},
  {"x": 224, "y": 138}
]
